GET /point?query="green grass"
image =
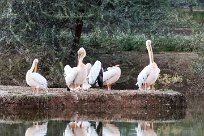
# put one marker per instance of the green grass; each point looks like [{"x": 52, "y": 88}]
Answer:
[
  {"x": 136, "y": 42},
  {"x": 198, "y": 16}
]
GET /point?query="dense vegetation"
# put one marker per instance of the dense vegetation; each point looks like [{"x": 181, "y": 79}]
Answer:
[
  {"x": 53, "y": 30},
  {"x": 57, "y": 25}
]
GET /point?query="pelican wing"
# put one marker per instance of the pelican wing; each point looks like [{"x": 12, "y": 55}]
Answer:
[
  {"x": 88, "y": 65},
  {"x": 94, "y": 72},
  {"x": 68, "y": 131},
  {"x": 86, "y": 85},
  {"x": 67, "y": 70},
  {"x": 39, "y": 80},
  {"x": 111, "y": 130},
  {"x": 70, "y": 74},
  {"x": 154, "y": 74},
  {"x": 143, "y": 75},
  {"x": 109, "y": 74},
  {"x": 139, "y": 130}
]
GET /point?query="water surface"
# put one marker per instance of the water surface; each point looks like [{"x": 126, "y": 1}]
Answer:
[{"x": 191, "y": 124}]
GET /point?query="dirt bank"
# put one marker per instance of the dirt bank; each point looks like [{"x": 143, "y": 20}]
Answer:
[{"x": 18, "y": 102}]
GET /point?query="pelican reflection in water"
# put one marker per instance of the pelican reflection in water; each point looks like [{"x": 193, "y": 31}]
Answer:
[
  {"x": 37, "y": 130},
  {"x": 144, "y": 129},
  {"x": 80, "y": 128},
  {"x": 110, "y": 130},
  {"x": 86, "y": 128}
]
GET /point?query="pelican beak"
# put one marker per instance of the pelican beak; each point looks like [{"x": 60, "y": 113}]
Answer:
[
  {"x": 117, "y": 65},
  {"x": 35, "y": 67},
  {"x": 148, "y": 49},
  {"x": 79, "y": 55}
]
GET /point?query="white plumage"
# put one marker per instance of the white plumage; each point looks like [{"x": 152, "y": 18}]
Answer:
[
  {"x": 81, "y": 128},
  {"x": 70, "y": 74},
  {"x": 94, "y": 72},
  {"x": 94, "y": 75},
  {"x": 144, "y": 129},
  {"x": 35, "y": 80},
  {"x": 76, "y": 76},
  {"x": 86, "y": 85},
  {"x": 111, "y": 75},
  {"x": 37, "y": 130},
  {"x": 88, "y": 65},
  {"x": 150, "y": 73},
  {"x": 110, "y": 130}
]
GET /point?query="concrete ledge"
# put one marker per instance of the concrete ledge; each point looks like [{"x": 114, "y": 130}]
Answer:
[{"x": 18, "y": 102}]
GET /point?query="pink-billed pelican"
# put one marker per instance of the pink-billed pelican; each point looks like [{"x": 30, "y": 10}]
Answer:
[
  {"x": 111, "y": 76},
  {"x": 86, "y": 85},
  {"x": 150, "y": 73},
  {"x": 34, "y": 79},
  {"x": 94, "y": 75},
  {"x": 37, "y": 130},
  {"x": 76, "y": 76},
  {"x": 144, "y": 129},
  {"x": 81, "y": 128}
]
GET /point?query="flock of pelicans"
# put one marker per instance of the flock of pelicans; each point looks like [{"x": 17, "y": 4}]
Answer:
[
  {"x": 85, "y": 76},
  {"x": 86, "y": 128}
]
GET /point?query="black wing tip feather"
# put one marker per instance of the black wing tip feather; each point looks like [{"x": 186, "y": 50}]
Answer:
[
  {"x": 100, "y": 78},
  {"x": 68, "y": 89},
  {"x": 136, "y": 87}
]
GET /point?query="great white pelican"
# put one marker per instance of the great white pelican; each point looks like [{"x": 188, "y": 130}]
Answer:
[
  {"x": 148, "y": 76},
  {"x": 111, "y": 76},
  {"x": 37, "y": 130},
  {"x": 34, "y": 79},
  {"x": 94, "y": 75},
  {"x": 76, "y": 76}
]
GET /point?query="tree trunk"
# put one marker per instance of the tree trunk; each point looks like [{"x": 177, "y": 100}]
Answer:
[
  {"x": 191, "y": 8},
  {"x": 75, "y": 44}
]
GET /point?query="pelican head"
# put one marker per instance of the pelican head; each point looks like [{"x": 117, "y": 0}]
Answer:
[
  {"x": 35, "y": 62},
  {"x": 148, "y": 44},
  {"x": 81, "y": 53},
  {"x": 149, "y": 49}
]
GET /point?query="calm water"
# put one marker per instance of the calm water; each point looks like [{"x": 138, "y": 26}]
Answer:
[{"x": 192, "y": 124}]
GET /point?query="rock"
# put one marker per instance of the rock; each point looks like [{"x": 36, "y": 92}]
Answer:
[{"x": 18, "y": 103}]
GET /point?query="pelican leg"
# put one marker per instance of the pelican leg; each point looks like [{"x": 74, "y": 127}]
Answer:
[
  {"x": 81, "y": 125},
  {"x": 37, "y": 90},
  {"x": 153, "y": 88},
  {"x": 78, "y": 88},
  {"x": 33, "y": 90},
  {"x": 46, "y": 90},
  {"x": 75, "y": 85},
  {"x": 74, "y": 89},
  {"x": 109, "y": 87},
  {"x": 145, "y": 86},
  {"x": 142, "y": 89},
  {"x": 72, "y": 125}
]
